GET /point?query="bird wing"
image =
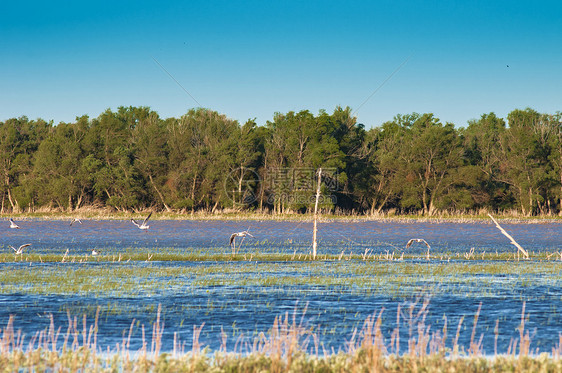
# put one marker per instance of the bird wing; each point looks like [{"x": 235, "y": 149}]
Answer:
[
  {"x": 409, "y": 243},
  {"x": 426, "y": 244},
  {"x": 13, "y": 248},
  {"x": 232, "y": 238},
  {"x": 146, "y": 219},
  {"x": 248, "y": 233},
  {"x": 23, "y": 246},
  {"x": 134, "y": 222}
]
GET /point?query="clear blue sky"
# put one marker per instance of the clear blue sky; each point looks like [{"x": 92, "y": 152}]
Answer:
[{"x": 62, "y": 59}]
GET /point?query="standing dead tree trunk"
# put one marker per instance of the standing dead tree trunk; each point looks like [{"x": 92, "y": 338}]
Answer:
[{"x": 314, "y": 243}]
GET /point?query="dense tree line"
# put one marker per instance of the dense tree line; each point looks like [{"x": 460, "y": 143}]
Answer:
[{"x": 132, "y": 159}]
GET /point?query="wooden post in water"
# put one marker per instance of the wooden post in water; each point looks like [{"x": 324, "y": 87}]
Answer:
[{"x": 314, "y": 244}]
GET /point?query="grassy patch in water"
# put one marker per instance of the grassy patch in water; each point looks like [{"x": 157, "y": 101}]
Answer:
[
  {"x": 140, "y": 278},
  {"x": 297, "y": 255}
]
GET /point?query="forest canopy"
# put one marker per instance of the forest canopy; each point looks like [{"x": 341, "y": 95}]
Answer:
[{"x": 131, "y": 159}]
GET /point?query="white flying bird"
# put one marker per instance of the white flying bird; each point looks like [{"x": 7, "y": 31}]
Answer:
[
  {"x": 13, "y": 225},
  {"x": 143, "y": 224},
  {"x": 19, "y": 250},
  {"x": 75, "y": 220},
  {"x": 233, "y": 238},
  {"x": 419, "y": 240}
]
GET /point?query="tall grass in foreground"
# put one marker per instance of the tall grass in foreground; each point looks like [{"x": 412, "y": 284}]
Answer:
[{"x": 289, "y": 346}]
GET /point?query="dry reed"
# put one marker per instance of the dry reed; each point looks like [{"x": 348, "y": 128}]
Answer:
[{"x": 290, "y": 345}]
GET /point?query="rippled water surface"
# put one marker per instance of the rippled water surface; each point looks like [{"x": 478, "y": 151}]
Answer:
[
  {"x": 243, "y": 298},
  {"x": 275, "y": 237}
]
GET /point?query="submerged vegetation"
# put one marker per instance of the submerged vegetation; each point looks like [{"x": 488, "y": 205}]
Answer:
[
  {"x": 131, "y": 159},
  {"x": 219, "y": 308},
  {"x": 94, "y": 277}
]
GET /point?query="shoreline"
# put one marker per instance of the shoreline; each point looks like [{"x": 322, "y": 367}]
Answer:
[{"x": 101, "y": 214}]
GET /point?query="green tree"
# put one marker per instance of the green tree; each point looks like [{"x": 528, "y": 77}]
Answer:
[
  {"x": 247, "y": 150},
  {"x": 555, "y": 157},
  {"x": 300, "y": 143},
  {"x": 386, "y": 179},
  {"x": 60, "y": 176},
  {"x": 150, "y": 149},
  {"x": 351, "y": 157},
  {"x": 201, "y": 145},
  {"x": 427, "y": 156},
  {"x": 117, "y": 183},
  {"x": 19, "y": 139},
  {"x": 482, "y": 144},
  {"x": 525, "y": 152}
]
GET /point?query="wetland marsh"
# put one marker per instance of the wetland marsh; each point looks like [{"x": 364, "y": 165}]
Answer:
[{"x": 187, "y": 269}]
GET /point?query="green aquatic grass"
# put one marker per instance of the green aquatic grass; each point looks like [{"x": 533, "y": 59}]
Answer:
[
  {"x": 292, "y": 255},
  {"x": 123, "y": 278}
]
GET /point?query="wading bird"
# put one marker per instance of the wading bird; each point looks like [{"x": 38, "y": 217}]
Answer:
[
  {"x": 19, "y": 250},
  {"x": 419, "y": 240},
  {"x": 75, "y": 220},
  {"x": 143, "y": 224},
  {"x": 95, "y": 252},
  {"x": 13, "y": 225},
  {"x": 233, "y": 239}
]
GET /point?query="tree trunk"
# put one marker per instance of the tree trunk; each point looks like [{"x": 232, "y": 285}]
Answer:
[
  {"x": 521, "y": 201},
  {"x": 381, "y": 205},
  {"x": 314, "y": 244},
  {"x": 530, "y": 202},
  {"x": 10, "y": 199},
  {"x": 240, "y": 186},
  {"x": 560, "y": 212},
  {"x": 425, "y": 208},
  {"x": 159, "y": 194},
  {"x": 193, "y": 188},
  {"x": 80, "y": 197},
  {"x": 431, "y": 210}
]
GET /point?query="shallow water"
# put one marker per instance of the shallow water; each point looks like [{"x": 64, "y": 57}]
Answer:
[
  {"x": 51, "y": 236},
  {"x": 243, "y": 298}
]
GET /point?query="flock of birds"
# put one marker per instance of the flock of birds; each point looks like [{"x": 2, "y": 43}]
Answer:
[{"x": 142, "y": 226}]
